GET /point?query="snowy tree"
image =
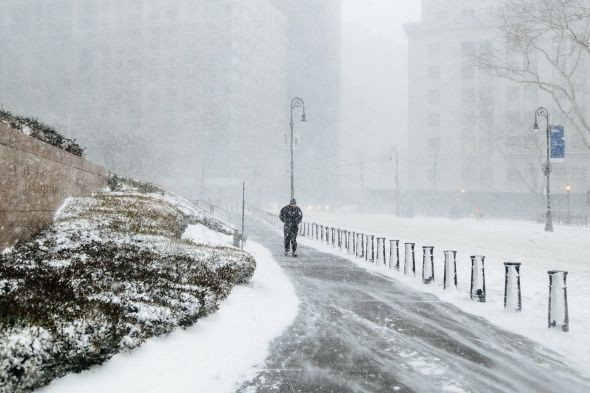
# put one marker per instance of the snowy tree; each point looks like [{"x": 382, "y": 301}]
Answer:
[{"x": 547, "y": 44}]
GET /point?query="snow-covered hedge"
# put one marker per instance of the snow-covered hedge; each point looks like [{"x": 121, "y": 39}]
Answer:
[
  {"x": 43, "y": 132},
  {"x": 112, "y": 271}
]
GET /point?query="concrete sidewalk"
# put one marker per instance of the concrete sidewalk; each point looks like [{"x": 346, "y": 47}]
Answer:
[{"x": 360, "y": 332}]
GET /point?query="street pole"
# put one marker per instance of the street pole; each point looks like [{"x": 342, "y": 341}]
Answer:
[
  {"x": 542, "y": 112},
  {"x": 243, "y": 211},
  {"x": 295, "y": 103}
]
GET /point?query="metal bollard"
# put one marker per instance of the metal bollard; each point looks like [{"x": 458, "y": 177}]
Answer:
[
  {"x": 363, "y": 253},
  {"x": 512, "y": 296},
  {"x": 354, "y": 243},
  {"x": 377, "y": 248},
  {"x": 450, "y": 274},
  {"x": 394, "y": 254},
  {"x": 383, "y": 251},
  {"x": 372, "y": 248},
  {"x": 558, "y": 312},
  {"x": 427, "y": 264},
  {"x": 340, "y": 239},
  {"x": 333, "y": 237},
  {"x": 478, "y": 278},
  {"x": 345, "y": 240},
  {"x": 409, "y": 261},
  {"x": 317, "y": 232}
]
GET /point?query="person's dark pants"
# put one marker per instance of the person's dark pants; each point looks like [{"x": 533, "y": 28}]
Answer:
[{"x": 291, "y": 237}]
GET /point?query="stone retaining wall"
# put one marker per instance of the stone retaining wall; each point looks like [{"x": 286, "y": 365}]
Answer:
[{"x": 35, "y": 179}]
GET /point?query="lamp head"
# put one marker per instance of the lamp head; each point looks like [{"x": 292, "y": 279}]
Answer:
[
  {"x": 536, "y": 125},
  {"x": 568, "y": 188},
  {"x": 304, "y": 117}
]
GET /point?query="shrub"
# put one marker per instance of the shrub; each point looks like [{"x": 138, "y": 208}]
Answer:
[
  {"x": 111, "y": 272},
  {"x": 43, "y": 132}
]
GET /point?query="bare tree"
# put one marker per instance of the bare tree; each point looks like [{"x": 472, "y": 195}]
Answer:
[{"x": 547, "y": 45}]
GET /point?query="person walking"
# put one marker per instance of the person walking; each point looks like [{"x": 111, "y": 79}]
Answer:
[{"x": 291, "y": 216}]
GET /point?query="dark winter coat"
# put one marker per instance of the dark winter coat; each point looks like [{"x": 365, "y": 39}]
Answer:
[{"x": 291, "y": 215}]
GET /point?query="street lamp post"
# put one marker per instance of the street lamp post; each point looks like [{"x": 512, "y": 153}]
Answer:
[
  {"x": 542, "y": 112},
  {"x": 295, "y": 103}
]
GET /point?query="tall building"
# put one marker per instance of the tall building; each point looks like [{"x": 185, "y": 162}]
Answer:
[
  {"x": 180, "y": 92},
  {"x": 467, "y": 130},
  {"x": 314, "y": 67}
]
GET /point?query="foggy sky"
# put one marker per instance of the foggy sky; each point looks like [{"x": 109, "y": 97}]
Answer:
[{"x": 374, "y": 88}]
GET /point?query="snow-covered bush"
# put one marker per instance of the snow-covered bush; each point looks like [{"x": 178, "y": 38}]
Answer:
[
  {"x": 111, "y": 272},
  {"x": 43, "y": 132}
]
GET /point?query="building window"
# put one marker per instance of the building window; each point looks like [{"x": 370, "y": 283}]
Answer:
[
  {"x": 512, "y": 93},
  {"x": 559, "y": 174},
  {"x": 530, "y": 92},
  {"x": 434, "y": 50},
  {"x": 468, "y": 71},
  {"x": 513, "y": 143},
  {"x": 485, "y": 47},
  {"x": 468, "y": 13},
  {"x": 468, "y": 175},
  {"x": 468, "y": 48},
  {"x": 513, "y": 118},
  {"x": 434, "y": 145},
  {"x": 486, "y": 175},
  {"x": 512, "y": 175},
  {"x": 442, "y": 16},
  {"x": 485, "y": 145},
  {"x": 434, "y": 120},
  {"x": 576, "y": 142},
  {"x": 578, "y": 174},
  {"x": 434, "y": 72},
  {"x": 434, "y": 96},
  {"x": 468, "y": 96},
  {"x": 468, "y": 119},
  {"x": 468, "y": 145},
  {"x": 530, "y": 142}
]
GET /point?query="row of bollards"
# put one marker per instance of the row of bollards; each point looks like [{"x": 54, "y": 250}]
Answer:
[{"x": 373, "y": 249}]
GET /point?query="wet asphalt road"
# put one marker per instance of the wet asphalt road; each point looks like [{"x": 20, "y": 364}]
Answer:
[{"x": 360, "y": 332}]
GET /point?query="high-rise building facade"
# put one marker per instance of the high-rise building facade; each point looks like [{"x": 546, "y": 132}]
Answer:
[
  {"x": 314, "y": 67},
  {"x": 470, "y": 131},
  {"x": 189, "y": 94}
]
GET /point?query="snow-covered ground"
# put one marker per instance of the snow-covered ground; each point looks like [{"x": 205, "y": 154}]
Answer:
[
  {"x": 568, "y": 248},
  {"x": 215, "y": 354}
]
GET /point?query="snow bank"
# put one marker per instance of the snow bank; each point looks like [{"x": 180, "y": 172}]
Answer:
[
  {"x": 201, "y": 234},
  {"x": 500, "y": 241},
  {"x": 216, "y": 354},
  {"x": 112, "y": 271}
]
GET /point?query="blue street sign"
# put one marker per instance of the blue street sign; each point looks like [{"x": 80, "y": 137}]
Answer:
[{"x": 557, "y": 143}]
